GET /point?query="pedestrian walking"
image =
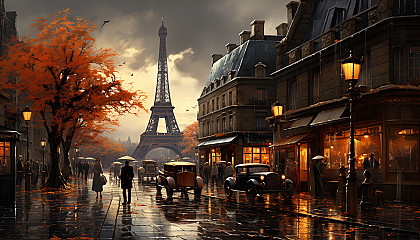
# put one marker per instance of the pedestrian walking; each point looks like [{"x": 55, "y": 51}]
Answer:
[
  {"x": 221, "y": 173},
  {"x": 97, "y": 171},
  {"x": 374, "y": 163},
  {"x": 214, "y": 174},
  {"x": 206, "y": 172},
  {"x": 366, "y": 163},
  {"x": 35, "y": 172},
  {"x": 80, "y": 169},
  {"x": 229, "y": 170},
  {"x": 318, "y": 175},
  {"x": 127, "y": 175},
  {"x": 20, "y": 170},
  {"x": 86, "y": 169}
]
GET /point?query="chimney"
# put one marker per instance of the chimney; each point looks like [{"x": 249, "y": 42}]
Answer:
[
  {"x": 244, "y": 36},
  {"x": 230, "y": 47},
  {"x": 215, "y": 57},
  {"x": 291, "y": 11},
  {"x": 257, "y": 30},
  {"x": 282, "y": 29}
]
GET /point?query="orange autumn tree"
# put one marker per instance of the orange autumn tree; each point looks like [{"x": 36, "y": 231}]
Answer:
[
  {"x": 190, "y": 141},
  {"x": 68, "y": 80}
]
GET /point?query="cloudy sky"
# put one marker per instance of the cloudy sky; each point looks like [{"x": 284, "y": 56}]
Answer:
[{"x": 196, "y": 29}]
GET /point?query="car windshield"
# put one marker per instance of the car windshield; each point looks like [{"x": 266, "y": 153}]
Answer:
[{"x": 259, "y": 169}]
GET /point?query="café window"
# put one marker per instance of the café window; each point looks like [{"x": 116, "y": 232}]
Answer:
[
  {"x": 403, "y": 149},
  {"x": 256, "y": 155},
  {"x": 215, "y": 155},
  {"x": 5, "y": 158},
  {"x": 366, "y": 141}
]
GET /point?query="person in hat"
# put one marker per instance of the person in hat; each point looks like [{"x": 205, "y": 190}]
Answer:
[
  {"x": 374, "y": 163},
  {"x": 318, "y": 175},
  {"x": 127, "y": 175}
]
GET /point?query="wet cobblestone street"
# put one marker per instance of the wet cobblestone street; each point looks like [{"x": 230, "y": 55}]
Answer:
[{"x": 77, "y": 214}]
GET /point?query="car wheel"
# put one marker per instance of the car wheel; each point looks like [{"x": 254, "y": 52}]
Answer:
[
  {"x": 169, "y": 192},
  {"x": 228, "y": 190},
  {"x": 251, "y": 192},
  {"x": 288, "y": 191}
]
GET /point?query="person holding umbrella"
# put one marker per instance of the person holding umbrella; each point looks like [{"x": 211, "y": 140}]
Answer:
[
  {"x": 318, "y": 175},
  {"x": 127, "y": 175}
]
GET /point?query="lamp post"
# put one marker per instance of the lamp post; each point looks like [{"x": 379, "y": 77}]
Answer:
[
  {"x": 43, "y": 142},
  {"x": 27, "y": 117},
  {"x": 351, "y": 69},
  {"x": 278, "y": 110}
]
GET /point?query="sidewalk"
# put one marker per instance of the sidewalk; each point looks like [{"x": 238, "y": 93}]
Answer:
[
  {"x": 391, "y": 216},
  {"x": 72, "y": 214}
]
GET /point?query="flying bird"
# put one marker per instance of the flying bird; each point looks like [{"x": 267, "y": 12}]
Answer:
[
  {"x": 123, "y": 62},
  {"x": 132, "y": 74},
  {"x": 187, "y": 110},
  {"x": 105, "y": 21}
]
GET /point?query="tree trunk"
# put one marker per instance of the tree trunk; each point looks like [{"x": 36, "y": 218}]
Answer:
[
  {"x": 66, "y": 170},
  {"x": 56, "y": 179}
]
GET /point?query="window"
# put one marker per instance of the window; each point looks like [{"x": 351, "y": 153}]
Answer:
[
  {"x": 407, "y": 65},
  {"x": 216, "y": 155},
  {"x": 315, "y": 87},
  {"x": 217, "y": 103},
  {"x": 212, "y": 126},
  {"x": 223, "y": 101},
  {"x": 292, "y": 94},
  {"x": 336, "y": 147},
  {"x": 230, "y": 98},
  {"x": 403, "y": 147},
  {"x": 261, "y": 94},
  {"x": 212, "y": 105},
  {"x": 399, "y": 65},
  {"x": 414, "y": 64},
  {"x": 256, "y": 155},
  {"x": 230, "y": 123},
  {"x": 204, "y": 109},
  {"x": 223, "y": 124},
  {"x": 208, "y": 128},
  {"x": 364, "y": 77},
  {"x": 208, "y": 107},
  {"x": 261, "y": 123},
  {"x": 5, "y": 164},
  {"x": 218, "y": 125}
]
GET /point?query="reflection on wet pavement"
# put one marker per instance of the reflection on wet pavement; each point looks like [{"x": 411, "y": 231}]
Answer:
[{"x": 77, "y": 214}]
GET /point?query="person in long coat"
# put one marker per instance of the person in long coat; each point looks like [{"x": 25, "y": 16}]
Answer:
[
  {"x": 318, "y": 175},
  {"x": 127, "y": 175},
  {"x": 97, "y": 171}
]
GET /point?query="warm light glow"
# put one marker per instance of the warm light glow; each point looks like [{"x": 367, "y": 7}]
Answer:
[
  {"x": 27, "y": 114},
  {"x": 366, "y": 136},
  {"x": 351, "y": 68},
  {"x": 43, "y": 142},
  {"x": 351, "y": 71},
  {"x": 283, "y": 177},
  {"x": 262, "y": 178},
  {"x": 277, "y": 109}
]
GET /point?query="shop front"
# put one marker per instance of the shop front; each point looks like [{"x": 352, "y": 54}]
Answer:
[{"x": 8, "y": 141}]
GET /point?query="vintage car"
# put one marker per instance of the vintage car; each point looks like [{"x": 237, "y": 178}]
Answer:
[
  {"x": 179, "y": 177},
  {"x": 257, "y": 179},
  {"x": 148, "y": 172}
]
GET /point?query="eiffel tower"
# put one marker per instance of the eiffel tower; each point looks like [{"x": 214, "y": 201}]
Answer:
[{"x": 162, "y": 108}]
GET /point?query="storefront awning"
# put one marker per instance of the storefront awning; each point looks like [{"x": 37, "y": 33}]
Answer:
[
  {"x": 328, "y": 116},
  {"x": 301, "y": 122},
  {"x": 220, "y": 141},
  {"x": 290, "y": 140}
]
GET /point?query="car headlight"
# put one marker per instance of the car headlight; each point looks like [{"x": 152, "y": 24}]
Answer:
[
  {"x": 283, "y": 177},
  {"x": 262, "y": 178}
]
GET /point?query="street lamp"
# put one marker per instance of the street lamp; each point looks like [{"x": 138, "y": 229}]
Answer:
[
  {"x": 351, "y": 69},
  {"x": 277, "y": 109},
  {"x": 43, "y": 142},
  {"x": 27, "y": 117}
]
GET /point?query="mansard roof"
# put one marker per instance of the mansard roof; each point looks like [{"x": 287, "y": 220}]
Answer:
[
  {"x": 328, "y": 14},
  {"x": 242, "y": 60}
]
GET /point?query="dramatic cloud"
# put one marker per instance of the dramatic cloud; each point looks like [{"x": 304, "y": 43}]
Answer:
[{"x": 196, "y": 29}]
